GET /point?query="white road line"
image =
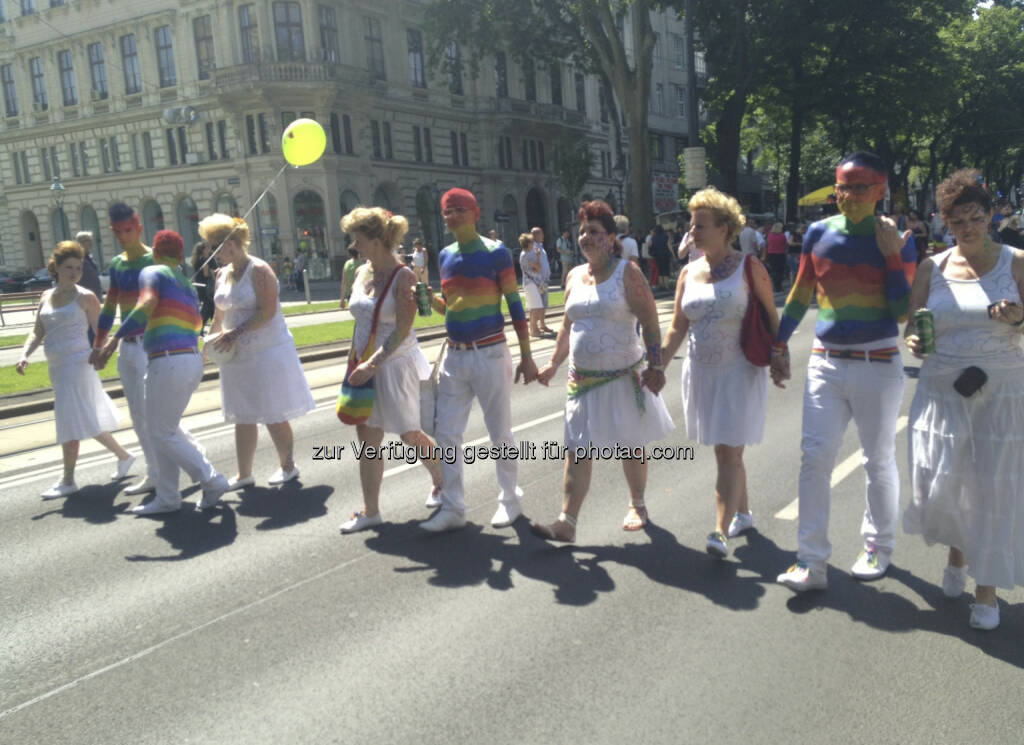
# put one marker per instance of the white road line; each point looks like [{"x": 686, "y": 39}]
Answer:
[{"x": 792, "y": 510}]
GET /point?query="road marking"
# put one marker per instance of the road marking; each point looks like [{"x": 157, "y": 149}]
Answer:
[{"x": 792, "y": 510}]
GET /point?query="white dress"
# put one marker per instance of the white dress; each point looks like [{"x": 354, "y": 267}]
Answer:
[
  {"x": 264, "y": 383},
  {"x": 81, "y": 408},
  {"x": 604, "y": 337},
  {"x": 967, "y": 454},
  {"x": 396, "y": 403},
  {"x": 724, "y": 396}
]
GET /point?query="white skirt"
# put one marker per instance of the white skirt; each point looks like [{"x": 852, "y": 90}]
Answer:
[
  {"x": 396, "y": 401},
  {"x": 608, "y": 415},
  {"x": 967, "y": 473},
  {"x": 534, "y": 300},
  {"x": 265, "y": 387},
  {"x": 724, "y": 404},
  {"x": 81, "y": 409}
]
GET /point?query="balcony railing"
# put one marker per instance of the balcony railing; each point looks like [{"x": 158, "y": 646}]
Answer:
[{"x": 284, "y": 72}]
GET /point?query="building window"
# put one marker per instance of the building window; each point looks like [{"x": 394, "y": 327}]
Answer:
[
  {"x": 346, "y": 127},
  {"x": 681, "y": 143},
  {"x": 202, "y": 30},
  {"x": 165, "y": 57},
  {"x": 250, "y": 130},
  {"x": 374, "y": 49},
  {"x": 73, "y": 157},
  {"x": 388, "y": 152},
  {"x": 291, "y": 45},
  {"x": 526, "y": 155},
  {"x": 414, "y": 40},
  {"x": 109, "y": 155},
  {"x": 700, "y": 65},
  {"x": 657, "y": 149},
  {"x": 46, "y": 164},
  {"x": 287, "y": 117},
  {"x": 130, "y": 64},
  {"x": 581, "y": 92},
  {"x": 602, "y": 104},
  {"x": 17, "y": 168},
  {"x": 375, "y": 136},
  {"x": 678, "y": 52},
  {"x": 501, "y": 75},
  {"x": 10, "y": 92},
  {"x": 172, "y": 150},
  {"x": 428, "y": 145},
  {"x": 556, "y": 84},
  {"x": 249, "y": 32},
  {"x": 464, "y": 146},
  {"x": 453, "y": 63},
  {"x": 211, "y": 141},
  {"x": 501, "y": 154},
  {"x": 35, "y": 68},
  {"x": 658, "y": 99},
  {"x": 540, "y": 155},
  {"x": 83, "y": 156},
  {"x": 115, "y": 155},
  {"x": 182, "y": 144},
  {"x": 508, "y": 152},
  {"x": 336, "y": 134},
  {"x": 222, "y": 139},
  {"x": 55, "y": 164},
  {"x": 417, "y": 146},
  {"x": 147, "y": 149},
  {"x": 67, "y": 78},
  {"x": 264, "y": 133},
  {"x": 680, "y": 101},
  {"x": 533, "y": 155},
  {"x": 28, "y": 7},
  {"x": 136, "y": 154},
  {"x": 98, "y": 71},
  {"x": 530, "y": 80},
  {"x": 455, "y": 147},
  {"x": 329, "y": 48}
]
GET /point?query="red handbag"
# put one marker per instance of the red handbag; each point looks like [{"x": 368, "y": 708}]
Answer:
[{"x": 755, "y": 335}]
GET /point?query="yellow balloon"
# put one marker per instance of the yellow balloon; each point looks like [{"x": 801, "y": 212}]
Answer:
[{"x": 303, "y": 142}]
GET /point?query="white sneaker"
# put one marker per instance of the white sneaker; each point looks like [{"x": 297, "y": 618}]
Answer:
[
  {"x": 506, "y": 514},
  {"x": 123, "y": 466},
  {"x": 717, "y": 545},
  {"x": 954, "y": 581},
  {"x": 984, "y": 617},
  {"x": 800, "y": 577},
  {"x": 871, "y": 564},
  {"x": 156, "y": 506},
  {"x": 740, "y": 522},
  {"x": 60, "y": 489},
  {"x": 236, "y": 484},
  {"x": 281, "y": 476},
  {"x": 360, "y": 521},
  {"x": 444, "y": 520},
  {"x": 434, "y": 498},
  {"x": 213, "y": 490},
  {"x": 142, "y": 487}
]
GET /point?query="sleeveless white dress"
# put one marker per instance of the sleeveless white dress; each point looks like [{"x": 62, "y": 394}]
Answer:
[
  {"x": 396, "y": 404},
  {"x": 264, "y": 383},
  {"x": 967, "y": 454},
  {"x": 724, "y": 396},
  {"x": 603, "y": 337},
  {"x": 81, "y": 408}
]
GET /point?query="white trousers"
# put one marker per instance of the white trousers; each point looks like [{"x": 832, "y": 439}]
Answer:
[
  {"x": 485, "y": 374},
  {"x": 169, "y": 386},
  {"x": 132, "y": 364},
  {"x": 870, "y": 393}
]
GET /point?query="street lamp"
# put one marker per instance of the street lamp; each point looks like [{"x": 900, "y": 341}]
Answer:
[{"x": 57, "y": 192}]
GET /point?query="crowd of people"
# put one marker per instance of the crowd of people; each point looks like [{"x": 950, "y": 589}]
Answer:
[{"x": 966, "y": 419}]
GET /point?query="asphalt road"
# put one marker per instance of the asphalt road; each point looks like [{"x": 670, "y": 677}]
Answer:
[{"x": 257, "y": 623}]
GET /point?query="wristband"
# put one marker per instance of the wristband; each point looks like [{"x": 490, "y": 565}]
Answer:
[{"x": 654, "y": 356}]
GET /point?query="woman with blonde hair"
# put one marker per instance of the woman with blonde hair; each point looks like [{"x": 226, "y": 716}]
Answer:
[
  {"x": 533, "y": 282},
  {"x": 81, "y": 407},
  {"x": 263, "y": 381},
  {"x": 397, "y": 365},
  {"x": 724, "y": 395}
]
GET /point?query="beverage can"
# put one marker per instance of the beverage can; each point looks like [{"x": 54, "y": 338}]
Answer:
[
  {"x": 423, "y": 299},
  {"x": 924, "y": 327}
]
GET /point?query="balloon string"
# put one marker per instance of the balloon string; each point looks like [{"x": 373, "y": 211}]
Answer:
[{"x": 235, "y": 226}]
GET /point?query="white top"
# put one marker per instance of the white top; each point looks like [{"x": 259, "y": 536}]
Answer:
[
  {"x": 361, "y": 306},
  {"x": 964, "y": 333},
  {"x": 419, "y": 258},
  {"x": 239, "y": 303},
  {"x": 66, "y": 328},
  {"x": 748, "y": 240},
  {"x": 603, "y": 333},
  {"x": 629, "y": 247},
  {"x": 715, "y": 311}
]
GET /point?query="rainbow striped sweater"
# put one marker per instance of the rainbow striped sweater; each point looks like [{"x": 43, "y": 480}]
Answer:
[
  {"x": 474, "y": 276},
  {"x": 168, "y": 311},
  {"x": 123, "y": 293},
  {"x": 861, "y": 293}
]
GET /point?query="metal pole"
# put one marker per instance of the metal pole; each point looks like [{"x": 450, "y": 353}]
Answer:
[{"x": 692, "y": 122}]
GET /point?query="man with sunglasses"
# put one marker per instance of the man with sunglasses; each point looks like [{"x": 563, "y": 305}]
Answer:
[
  {"x": 860, "y": 267},
  {"x": 475, "y": 274}
]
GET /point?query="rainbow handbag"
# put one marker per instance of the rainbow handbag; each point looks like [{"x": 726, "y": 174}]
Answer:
[{"x": 355, "y": 402}]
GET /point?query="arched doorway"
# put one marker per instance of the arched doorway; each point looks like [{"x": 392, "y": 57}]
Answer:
[
  {"x": 428, "y": 212},
  {"x": 152, "y": 220},
  {"x": 227, "y": 205},
  {"x": 88, "y": 220},
  {"x": 266, "y": 239},
  {"x": 310, "y": 228},
  {"x": 59, "y": 226},
  {"x": 33, "y": 244},
  {"x": 381, "y": 199},
  {"x": 188, "y": 223},
  {"x": 536, "y": 214},
  {"x": 348, "y": 201},
  {"x": 612, "y": 202}
]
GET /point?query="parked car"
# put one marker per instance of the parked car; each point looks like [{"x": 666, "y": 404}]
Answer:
[
  {"x": 11, "y": 282},
  {"x": 41, "y": 280}
]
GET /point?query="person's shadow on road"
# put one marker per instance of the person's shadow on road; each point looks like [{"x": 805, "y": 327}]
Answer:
[
  {"x": 281, "y": 507},
  {"x": 193, "y": 532},
  {"x": 96, "y": 504}
]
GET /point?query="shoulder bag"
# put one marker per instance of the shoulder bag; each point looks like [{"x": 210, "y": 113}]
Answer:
[{"x": 755, "y": 336}]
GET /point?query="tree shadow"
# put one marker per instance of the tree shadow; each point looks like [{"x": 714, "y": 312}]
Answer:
[
  {"x": 95, "y": 504},
  {"x": 193, "y": 532},
  {"x": 284, "y": 506}
]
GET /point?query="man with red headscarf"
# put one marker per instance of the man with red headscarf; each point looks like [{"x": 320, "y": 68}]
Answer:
[
  {"x": 860, "y": 267},
  {"x": 475, "y": 274},
  {"x": 123, "y": 293},
  {"x": 167, "y": 314}
]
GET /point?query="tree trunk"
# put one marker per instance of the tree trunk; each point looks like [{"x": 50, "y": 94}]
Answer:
[
  {"x": 639, "y": 198},
  {"x": 793, "y": 184},
  {"x": 727, "y": 134}
]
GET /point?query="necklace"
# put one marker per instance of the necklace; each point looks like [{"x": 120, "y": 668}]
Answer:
[{"x": 725, "y": 267}]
